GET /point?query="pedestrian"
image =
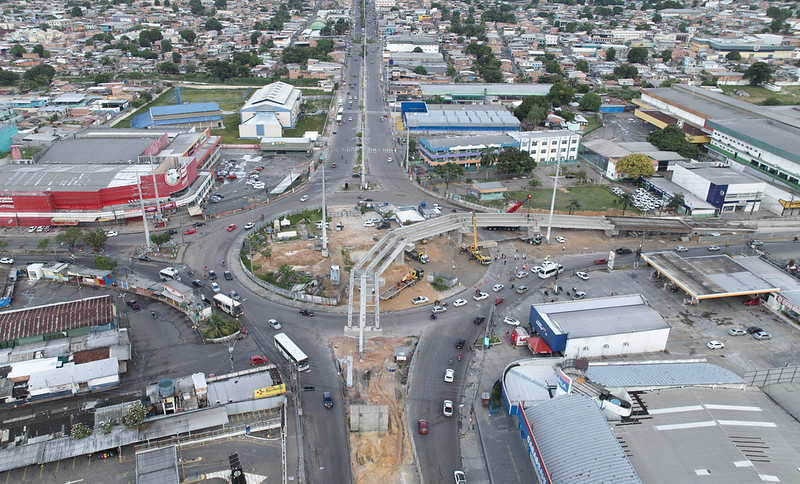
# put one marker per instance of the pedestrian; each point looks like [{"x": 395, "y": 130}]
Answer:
[
  {"x": 504, "y": 262},
  {"x": 506, "y": 334}
]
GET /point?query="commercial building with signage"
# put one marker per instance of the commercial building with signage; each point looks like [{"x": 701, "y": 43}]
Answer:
[{"x": 95, "y": 176}]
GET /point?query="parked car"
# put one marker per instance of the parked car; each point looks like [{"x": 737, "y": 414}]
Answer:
[
  {"x": 752, "y": 302},
  {"x": 623, "y": 250},
  {"x": 231, "y": 227},
  {"x": 199, "y": 224},
  {"x": 274, "y": 323},
  {"x": 561, "y": 240},
  {"x": 497, "y": 287},
  {"x": 133, "y": 304},
  {"x": 762, "y": 335},
  {"x": 110, "y": 233},
  {"x": 449, "y": 375},
  {"x": 582, "y": 275},
  {"x": 144, "y": 258},
  {"x": 189, "y": 232},
  {"x": 7, "y": 260},
  {"x": 511, "y": 321},
  {"x": 327, "y": 399},
  {"x": 306, "y": 312},
  {"x": 423, "y": 426},
  {"x": 600, "y": 261},
  {"x": 578, "y": 295},
  {"x": 736, "y": 331},
  {"x": 198, "y": 283},
  {"x": 480, "y": 296},
  {"x": 479, "y": 319},
  {"x": 715, "y": 345},
  {"x": 383, "y": 225},
  {"x": 420, "y": 300},
  {"x": 228, "y": 275},
  {"x": 447, "y": 408},
  {"x": 235, "y": 295},
  {"x": 753, "y": 330},
  {"x": 459, "y": 302},
  {"x": 257, "y": 360}
]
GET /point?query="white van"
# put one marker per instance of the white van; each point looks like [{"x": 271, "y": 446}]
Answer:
[
  {"x": 551, "y": 269},
  {"x": 169, "y": 273}
]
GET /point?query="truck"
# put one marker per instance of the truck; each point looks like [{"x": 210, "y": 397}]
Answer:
[
  {"x": 408, "y": 280},
  {"x": 416, "y": 255}
]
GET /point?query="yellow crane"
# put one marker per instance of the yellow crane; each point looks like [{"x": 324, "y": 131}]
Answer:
[{"x": 473, "y": 249}]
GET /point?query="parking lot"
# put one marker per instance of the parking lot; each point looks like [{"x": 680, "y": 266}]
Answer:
[{"x": 692, "y": 326}]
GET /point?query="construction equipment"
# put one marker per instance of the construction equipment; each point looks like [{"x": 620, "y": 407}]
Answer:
[
  {"x": 416, "y": 255},
  {"x": 413, "y": 276},
  {"x": 513, "y": 209},
  {"x": 474, "y": 252}
]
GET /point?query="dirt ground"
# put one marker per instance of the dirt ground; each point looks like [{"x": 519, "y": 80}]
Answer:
[{"x": 384, "y": 457}]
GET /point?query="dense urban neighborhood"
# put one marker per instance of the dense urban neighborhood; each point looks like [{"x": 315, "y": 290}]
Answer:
[{"x": 389, "y": 241}]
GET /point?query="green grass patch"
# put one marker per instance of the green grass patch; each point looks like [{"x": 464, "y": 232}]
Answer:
[
  {"x": 590, "y": 198},
  {"x": 439, "y": 287},
  {"x": 789, "y": 95},
  {"x": 306, "y": 123},
  {"x": 594, "y": 124},
  {"x": 315, "y": 104},
  {"x": 231, "y": 132}
]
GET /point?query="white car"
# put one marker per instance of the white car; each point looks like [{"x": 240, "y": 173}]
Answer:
[
  {"x": 235, "y": 295},
  {"x": 497, "y": 287},
  {"x": 480, "y": 296},
  {"x": 215, "y": 287},
  {"x": 259, "y": 185},
  {"x": 112, "y": 233},
  {"x": 389, "y": 160},
  {"x": 582, "y": 275},
  {"x": 6, "y": 260},
  {"x": 522, "y": 274},
  {"x": 511, "y": 321},
  {"x": 369, "y": 223},
  {"x": 304, "y": 198},
  {"x": 437, "y": 206},
  {"x": 713, "y": 247},
  {"x": 736, "y": 331},
  {"x": 680, "y": 248},
  {"x": 274, "y": 323},
  {"x": 460, "y": 477},
  {"x": 447, "y": 408},
  {"x": 449, "y": 375},
  {"x": 459, "y": 302},
  {"x": 715, "y": 345},
  {"x": 561, "y": 240},
  {"x": 762, "y": 335},
  {"x": 420, "y": 300},
  {"x": 438, "y": 309},
  {"x": 249, "y": 225}
]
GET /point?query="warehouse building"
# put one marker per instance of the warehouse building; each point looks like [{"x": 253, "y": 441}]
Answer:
[
  {"x": 187, "y": 116},
  {"x": 482, "y": 93},
  {"x": 726, "y": 189},
  {"x": 277, "y": 101},
  {"x": 422, "y": 118},
  {"x": 587, "y": 328}
]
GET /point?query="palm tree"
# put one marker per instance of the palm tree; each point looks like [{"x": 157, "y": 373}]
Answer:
[
  {"x": 626, "y": 200},
  {"x": 487, "y": 160},
  {"x": 677, "y": 202},
  {"x": 574, "y": 204}
]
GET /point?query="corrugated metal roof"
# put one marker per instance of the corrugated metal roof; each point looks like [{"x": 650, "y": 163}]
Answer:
[
  {"x": 55, "y": 318},
  {"x": 602, "y": 316},
  {"x": 577, "y": 444},
  {"x": 661, "y": 374},
  {"x": 187, "y": 108},
  {"x": 193, "y": 119}
]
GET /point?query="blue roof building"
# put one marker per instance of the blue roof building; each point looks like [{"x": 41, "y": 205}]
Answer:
[{"x": 188, "y": 115}]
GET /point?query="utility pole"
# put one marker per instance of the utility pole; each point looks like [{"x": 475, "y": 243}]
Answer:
[
  {"x": 324, "y": 217},
  {"x": 553, "y": 201},
  {"x": 147, "y": 242}
]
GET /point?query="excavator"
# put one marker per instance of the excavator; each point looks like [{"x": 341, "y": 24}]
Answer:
[{"x": 474, "y": 252}]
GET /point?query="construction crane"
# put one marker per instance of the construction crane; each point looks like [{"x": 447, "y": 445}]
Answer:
[
  {"x": 473, "y": 249},
  {"x": 518, "y": 204},
  {"x": 408, "y": 280}
]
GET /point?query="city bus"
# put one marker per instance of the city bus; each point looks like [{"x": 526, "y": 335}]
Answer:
[
  {"x": 227, "y": 304},
  {"x": 291, "y": 352}
]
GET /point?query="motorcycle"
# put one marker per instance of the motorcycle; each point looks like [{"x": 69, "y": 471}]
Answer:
[
  {"x": 459, "y": 357},
  {"x": 433, "y": 316}
]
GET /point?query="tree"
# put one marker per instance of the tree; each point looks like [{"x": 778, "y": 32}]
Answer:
[
  {"x": 672, "y": 138},
  {"x": 176, "y": 58},
  {"x": 8, "y": 78},
  {"x": 626, "y": 200},
  {"x": 221, "y": 4},
  {"x": 626, "y": 71},
  {"x": 102, "y": 78},
  {"x": 637, "y": 55},
  {"x": 80, "y": 431},
  {"x": 76, "y": 11},
  {"x": 135, "y": 415},
  {"x": 536, "y": 115},
  {"x": 107, "y": 426},
  {"x": 582, "y": 176},
  {"x": 759, "y": 73},
  {"x": 417, "y": 50},
  {"x": 167, "y": 68},
  {"x": 17, "y": 50},
  {"x": 666, "y": 55},
  {"x": 560, "y": 94},
  {"x": 166, "y": 45},
  {"x": 611, "y": 54},
  {"x": 635, "y": 166},
  {"x": 95, "y": 239},
  {"x": 43, "y": 244},
  {"x": 513, "y": 161},
  {"x": 39, "y": 49},
  {"x": 104, "y": 263},
  {"x": 421, "y": 71},
  {"x": 213, "y": 24},
  {"x": 574, "y": 204},
  {"x": 657, "y": 18},
  {"x": 733, "y": 55},
  {"x": 488, "y": 158},
  {"x": 590, "y": 102},
  {"x": 287, "y": 272},
  {"x": 69, "y": 236},
  {"x": 582, "y": 65},
  {"x": 188, "y": 35},
  {"x": 448, "y": 172},
  {"x": 677, "y": 202}
]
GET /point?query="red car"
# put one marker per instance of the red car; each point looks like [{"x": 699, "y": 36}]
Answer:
[
  {"x": 752, "y": 302},
  {"x": 423, "y": 426},
  {"x": 231, "y": 176},
  {"x": 189, "y": 232},
  {"x": 231, "y": 227},
  {"x": 600, "y": 261},
  {"x": 333, "y": 165},
  {"x": 498, "y": 300},
  {"x": 258, "y": 168},
  {"x": 257, "y": 360}
]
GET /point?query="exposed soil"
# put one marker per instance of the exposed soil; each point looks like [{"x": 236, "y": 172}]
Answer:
[{"x": 378, "y": 457}]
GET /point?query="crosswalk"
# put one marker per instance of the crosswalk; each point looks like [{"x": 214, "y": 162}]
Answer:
[{"x": 349, "y": 149}]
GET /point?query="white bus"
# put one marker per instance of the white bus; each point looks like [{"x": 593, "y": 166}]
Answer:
[
  {"x": 291, "y": 352},
  {"x": 169, "y": 274},
  {"x": 548, "y": 270},
  {"x": 227, "y": 304}
]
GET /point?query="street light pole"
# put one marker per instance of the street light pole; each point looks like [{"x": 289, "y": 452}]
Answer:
[
  {"x": 553, "y": 200},
  {"x": 147, "y": 242}
]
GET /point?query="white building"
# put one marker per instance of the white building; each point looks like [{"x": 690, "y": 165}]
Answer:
[
  {"x": 280, "y": 99},
  {"x": 407, "y": 43},
  {"x": 549, "y": 146},
  {"x": 722, "y": 187}
]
